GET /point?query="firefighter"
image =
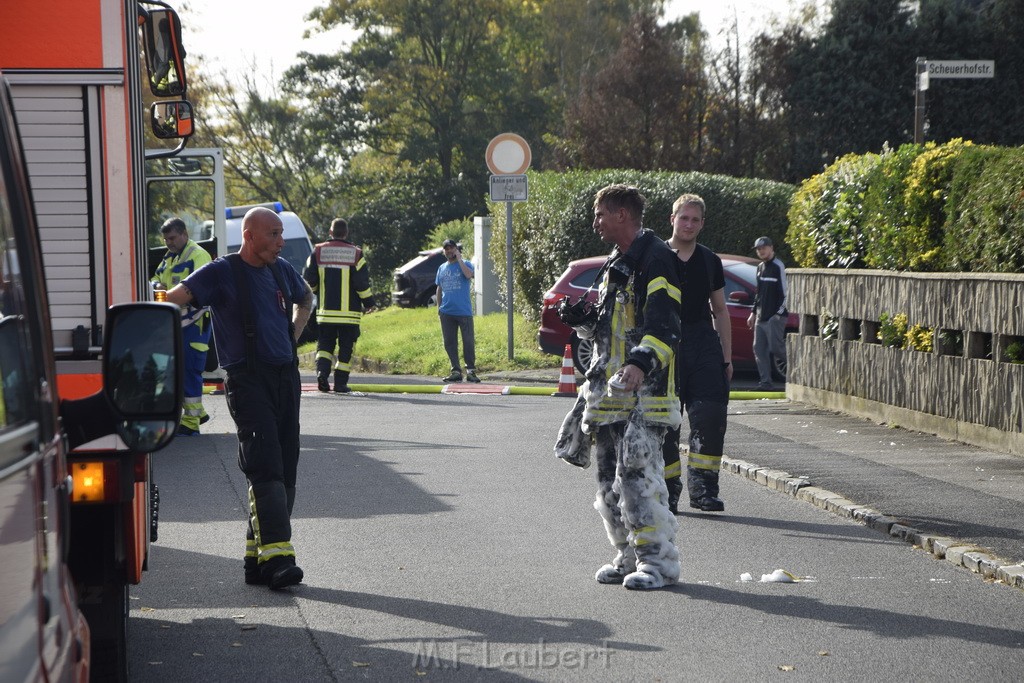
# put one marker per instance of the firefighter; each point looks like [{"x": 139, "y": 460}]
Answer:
[
  {"x": 260, "y": 306},
  {"x": 183, "y": 258},
  {"x": 628, "y": 402},
  {"x": 703, "y": 361},
  {"x": 336, "y": 270}
]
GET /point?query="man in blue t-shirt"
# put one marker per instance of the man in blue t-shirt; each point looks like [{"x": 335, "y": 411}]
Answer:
[
  {"x": 454, "y": 307},
  {"x": 260, "y": 305}
]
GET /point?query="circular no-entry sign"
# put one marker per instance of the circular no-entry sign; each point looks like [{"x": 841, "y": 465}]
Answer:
[{"x": 508, "y": 154}]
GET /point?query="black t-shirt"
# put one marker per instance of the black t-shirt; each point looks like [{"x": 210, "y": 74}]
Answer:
[{"x": 696, "y": 284}]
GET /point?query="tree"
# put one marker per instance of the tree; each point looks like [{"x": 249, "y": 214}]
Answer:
[
  {"x": 631, "y": 115},
  {"x": 425, "y": 88}
]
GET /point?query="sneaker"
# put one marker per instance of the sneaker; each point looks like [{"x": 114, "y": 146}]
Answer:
[
  {"x": 182, "y": 430},
  {"x": 321, "y": 384},
  {"x": 471, "y": 377},
  {"x": 455, "y": 376}
]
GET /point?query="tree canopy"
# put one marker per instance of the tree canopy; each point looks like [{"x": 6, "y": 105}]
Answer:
[{"x": 390, "y": 131}]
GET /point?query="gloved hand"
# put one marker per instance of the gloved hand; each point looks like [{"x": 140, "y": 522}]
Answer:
[{"x": 580, "y": 315}]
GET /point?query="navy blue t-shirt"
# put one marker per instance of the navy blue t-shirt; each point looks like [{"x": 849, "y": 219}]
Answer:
[{"x": 213, "y": 285}]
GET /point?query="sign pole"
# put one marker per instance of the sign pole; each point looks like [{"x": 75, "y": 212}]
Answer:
[
  {"x": 508, "y": 273},
  {"x": 508, "y": 156},
  {"x": 943, "y": 68},
  {"x": 919, "y": 99}
]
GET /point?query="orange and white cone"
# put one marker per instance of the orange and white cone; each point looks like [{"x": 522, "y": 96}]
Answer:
[{"x": 567, "y": 380}]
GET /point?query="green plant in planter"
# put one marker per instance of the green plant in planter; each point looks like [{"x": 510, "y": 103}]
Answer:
[
  {"x": 920, "y": 338},
  {"x": 952, "y": 342},
  {"x": 892, "y": 330},
  {"x": 829, "y": 328},
  {"x": 1015, "y": 352}
]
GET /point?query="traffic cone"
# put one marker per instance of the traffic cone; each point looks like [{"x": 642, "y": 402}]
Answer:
[{"x": 567, "y": 380}]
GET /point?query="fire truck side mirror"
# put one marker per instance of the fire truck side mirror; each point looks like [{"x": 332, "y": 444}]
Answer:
[
  {"x": 142, "y": 372},
  {"x": 165, "y": 55},
  {"x": 171, "y": 119}
]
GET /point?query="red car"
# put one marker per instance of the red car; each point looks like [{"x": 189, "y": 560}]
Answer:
[{"x": 578, "y": 280}]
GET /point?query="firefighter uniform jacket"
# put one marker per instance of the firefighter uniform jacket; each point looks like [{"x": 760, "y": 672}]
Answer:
[
  {"x": 173, "y": 269},
  {"x": 638, "y": 323},
  {"x": 337, "y": 272}
]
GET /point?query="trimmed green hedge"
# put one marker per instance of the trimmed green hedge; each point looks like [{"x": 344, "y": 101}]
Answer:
[
  {"x": 950, "y": 207},
  {"x": 556, "y": 225}
]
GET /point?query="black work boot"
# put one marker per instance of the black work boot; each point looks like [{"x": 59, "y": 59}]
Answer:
[
  {"x": 253, "y": 577},
  {"x": 323, "y": 369},
  {"x": 281, "y": 572},
  {"x": 675, "y": 489},
  {"x": 341, "y": 382},
  {"x": 703, "y": 486}
]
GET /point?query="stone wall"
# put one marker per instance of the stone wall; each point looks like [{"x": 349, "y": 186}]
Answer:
[{"x": 965, "y": 389}]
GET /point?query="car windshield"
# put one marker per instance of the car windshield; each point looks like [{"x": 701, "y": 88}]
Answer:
[
  {"x": 422, "y": 258},
  {"x": 295, "y": 252},
  {"x": 744, "y": 271}
]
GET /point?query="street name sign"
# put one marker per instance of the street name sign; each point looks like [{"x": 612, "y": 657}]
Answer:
[{"x": 961, "y": 68}]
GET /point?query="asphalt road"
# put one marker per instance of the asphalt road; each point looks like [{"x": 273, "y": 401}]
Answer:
[{"x": 442, "y": 540}]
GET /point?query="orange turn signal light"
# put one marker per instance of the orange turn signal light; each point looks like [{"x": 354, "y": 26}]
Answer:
[{"x": 89, "y": 482}]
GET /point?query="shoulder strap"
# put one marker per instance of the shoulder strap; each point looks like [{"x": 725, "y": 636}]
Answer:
[
  {"x": 287, "y": 292},
  {"x": 245, "y": 303}
]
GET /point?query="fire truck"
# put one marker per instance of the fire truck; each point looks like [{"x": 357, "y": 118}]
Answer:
[{"x": 74, "y": 76}]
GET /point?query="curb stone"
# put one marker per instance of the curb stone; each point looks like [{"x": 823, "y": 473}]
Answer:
[{"x": 961, "y": 553}]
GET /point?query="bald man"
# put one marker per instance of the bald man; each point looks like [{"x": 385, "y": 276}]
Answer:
[{"x": 259, "y": 291}]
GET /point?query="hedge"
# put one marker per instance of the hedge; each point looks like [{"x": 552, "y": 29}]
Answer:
[
  {"x": 950, "y": 207},
  {"x": 556, "y": 225}
]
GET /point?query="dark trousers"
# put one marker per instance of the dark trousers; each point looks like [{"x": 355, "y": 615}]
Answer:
[
  {"x": 703, "y": 390},
  {"x": 451, "y": 325},
  {"x": 331, "y": 335},
  {"x": 264, "y": 404}
]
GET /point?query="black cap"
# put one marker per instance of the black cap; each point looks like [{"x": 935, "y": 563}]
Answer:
[
  {"x": 449, "y": 243},
  {"x": 763, "y": 242}
]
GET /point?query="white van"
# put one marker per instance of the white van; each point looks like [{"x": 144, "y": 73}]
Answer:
[{"x": 297, "y": 245}]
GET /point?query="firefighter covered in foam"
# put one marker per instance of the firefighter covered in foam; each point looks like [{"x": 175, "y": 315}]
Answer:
[{"x": 628, "y": 402}]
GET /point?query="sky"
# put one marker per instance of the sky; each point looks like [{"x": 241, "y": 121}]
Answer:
[{"x": 232, "y": 36}]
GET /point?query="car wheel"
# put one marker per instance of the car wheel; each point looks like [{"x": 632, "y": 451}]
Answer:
[
  {"x": 429, "y": 298},
  {"x": 778, "y": 370},
  {"x": 582, "y": 352}
]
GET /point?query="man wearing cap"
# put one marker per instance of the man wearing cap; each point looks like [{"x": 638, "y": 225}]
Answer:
[
  {"x": 768, "y": 319},
  {"x": 454, "y": 282}
]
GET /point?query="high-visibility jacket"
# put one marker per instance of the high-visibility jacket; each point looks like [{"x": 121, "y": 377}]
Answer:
[
  {"x": 174, "y": 268},
  {"x": 336, "y": 270}
]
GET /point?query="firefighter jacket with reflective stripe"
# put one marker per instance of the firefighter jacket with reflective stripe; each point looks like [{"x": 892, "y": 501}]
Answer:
[
  {"x": 174, "y": 268},
  {"x": 337, "y": 272},
  {"x": 638, "y": 323}
]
